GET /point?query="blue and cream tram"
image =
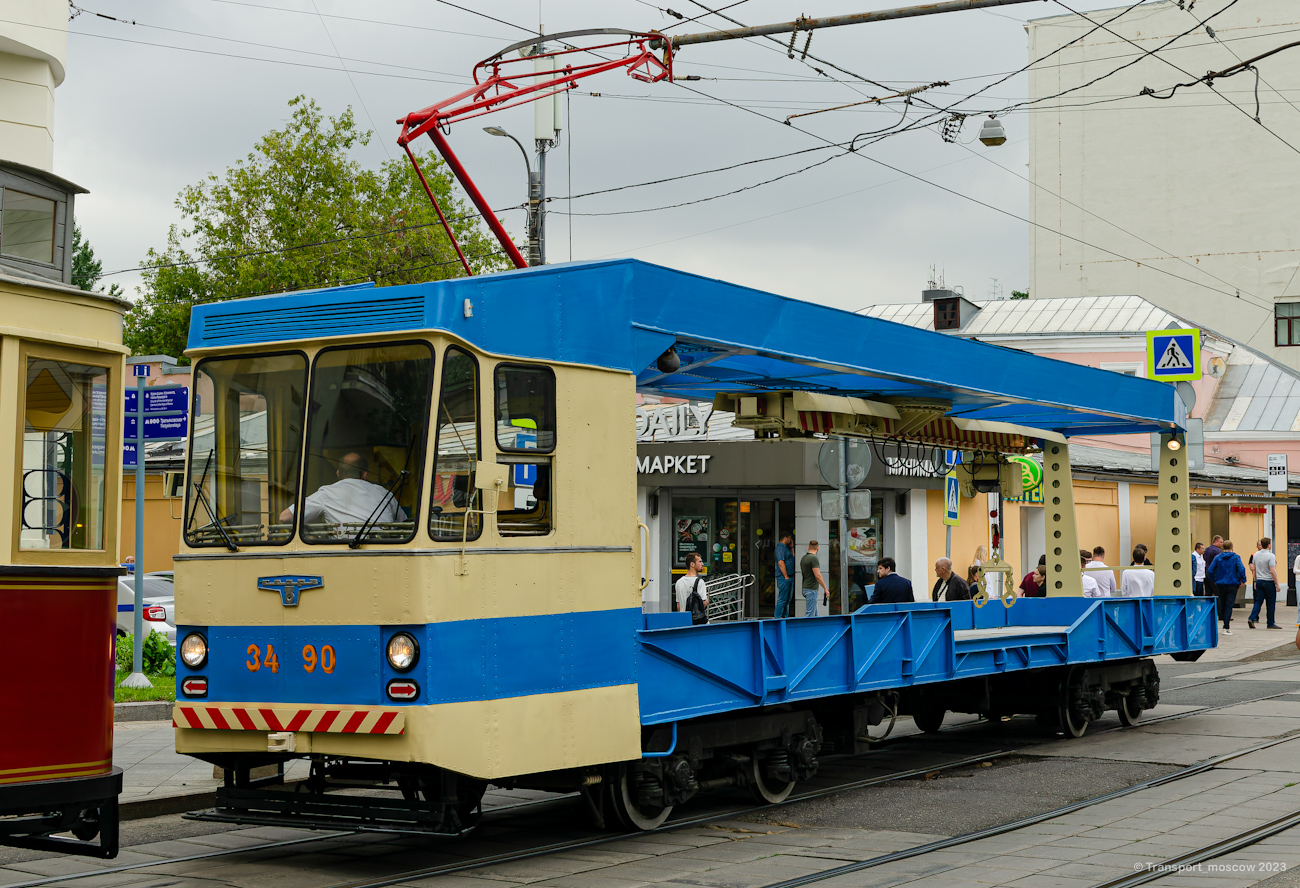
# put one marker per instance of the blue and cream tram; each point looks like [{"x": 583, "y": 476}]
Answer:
[{"x": 411, "y": 551}]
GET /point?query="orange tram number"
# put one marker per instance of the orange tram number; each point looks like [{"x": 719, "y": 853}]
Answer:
[{"x": 309, "y": 658}]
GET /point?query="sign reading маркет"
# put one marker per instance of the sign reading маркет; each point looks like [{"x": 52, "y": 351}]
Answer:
[{"x": 683, "y": 465}]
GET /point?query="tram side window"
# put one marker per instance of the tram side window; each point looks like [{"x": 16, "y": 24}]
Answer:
[
  {"x": 456, "y": 452},
  {"x": 64, "y": 445},
  {"x": 247, "y": 445},
  {"x": 525, "y": 424},
  {"x": 368, "y": 423}
]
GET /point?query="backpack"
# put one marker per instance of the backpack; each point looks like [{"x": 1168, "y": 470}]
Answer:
[{"x": 695, "y": 604}]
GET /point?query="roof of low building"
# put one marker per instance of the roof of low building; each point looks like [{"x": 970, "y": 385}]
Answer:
[{"x": 1072, "y": 315}]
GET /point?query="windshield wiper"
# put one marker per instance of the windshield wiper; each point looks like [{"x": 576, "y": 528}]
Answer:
[
  {"x": 399, "y": 481},
  {"x": 207, "y": 506}
]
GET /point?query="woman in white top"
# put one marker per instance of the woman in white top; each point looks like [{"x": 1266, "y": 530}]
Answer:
[{"x": 1090, "y": 587}]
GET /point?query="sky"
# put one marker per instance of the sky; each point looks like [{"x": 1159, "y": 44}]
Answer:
[{"x": 177, "y": 90}]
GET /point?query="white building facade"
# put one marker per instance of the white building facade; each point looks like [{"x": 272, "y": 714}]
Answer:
[
  {"x": 1187, "y": 201},
  {"x": 33, "y": 54}
]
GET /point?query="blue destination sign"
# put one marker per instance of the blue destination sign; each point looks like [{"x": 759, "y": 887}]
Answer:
[
  {"x": 158, "y": 428},
  {"x": 160, "y": 397}
]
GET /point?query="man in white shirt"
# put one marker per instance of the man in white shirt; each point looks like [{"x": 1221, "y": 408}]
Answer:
[
  {"x": 1090, "y": 587},
  {"x": 1105, "y": 578},
  {"x": 1198, "y": 569},
  {"x": 1138, "y": 582},
  {"x": 350, "y": 500},
  {"x": 692, "y": 582}
]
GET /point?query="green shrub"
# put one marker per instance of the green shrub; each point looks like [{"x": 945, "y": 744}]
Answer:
[{"x": 158, "y": 657}]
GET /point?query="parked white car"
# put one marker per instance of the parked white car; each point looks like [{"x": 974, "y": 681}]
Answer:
[{"x": 159, "y": 606}]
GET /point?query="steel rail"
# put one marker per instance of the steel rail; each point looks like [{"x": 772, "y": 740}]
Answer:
[
  {"x": 804, "y": 23},
  {"x": 989, "y": 832}
]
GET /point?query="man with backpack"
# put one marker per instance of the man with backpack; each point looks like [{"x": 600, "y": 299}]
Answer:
[{"x": 692, "y": 592}]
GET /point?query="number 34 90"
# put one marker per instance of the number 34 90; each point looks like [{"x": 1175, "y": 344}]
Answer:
[{"x": 310, "y": 659}]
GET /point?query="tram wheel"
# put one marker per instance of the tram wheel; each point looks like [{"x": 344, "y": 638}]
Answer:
[
  {"x": 1130, "y": 710},
  {"x": 1069, "y": 722},
  {"x": 470, "y": 808},
  {"x": 627, "y": 812},
  {"x": 929, "y": 718},
  {"x": 761, "y": 788}
]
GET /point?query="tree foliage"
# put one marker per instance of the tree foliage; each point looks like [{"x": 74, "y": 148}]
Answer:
[
  {"x": 86, "y": 269},
  {"x": 1019, "y": 294},
  {"x": 299, "y": 212}
]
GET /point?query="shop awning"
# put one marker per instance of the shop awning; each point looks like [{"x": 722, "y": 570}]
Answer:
[{"x": 624, "y": 314}]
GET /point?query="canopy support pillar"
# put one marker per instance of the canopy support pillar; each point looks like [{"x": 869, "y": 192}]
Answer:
[
  {"x": 1064, "y": 577},
  {"x": 1173, "y": 553}
]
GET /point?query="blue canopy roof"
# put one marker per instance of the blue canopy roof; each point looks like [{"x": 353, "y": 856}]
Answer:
[{"x": 623, "y": 314}]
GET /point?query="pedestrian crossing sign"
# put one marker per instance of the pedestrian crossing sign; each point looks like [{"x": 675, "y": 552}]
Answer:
[
  {"x": 951, "y": 500},
  {"x": 1174, "y": 355}
]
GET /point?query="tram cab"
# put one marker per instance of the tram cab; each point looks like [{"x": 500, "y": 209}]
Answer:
[{"x": 61, "y": 368}]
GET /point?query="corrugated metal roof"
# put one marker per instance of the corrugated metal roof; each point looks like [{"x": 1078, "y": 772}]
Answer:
[
  {"x": 1103, "y": 459},
  {"x": 1036, "y": 317},
  {"x": 1255, "y": 395}
]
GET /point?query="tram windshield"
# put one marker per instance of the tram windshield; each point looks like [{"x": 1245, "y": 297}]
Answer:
[
  {"x": 365, "y": 452},
  {"x": 247, "y": 438},
  {"x": 64, "y": 445}
]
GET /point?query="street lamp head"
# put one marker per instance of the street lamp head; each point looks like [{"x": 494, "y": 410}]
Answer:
[
  {"x": 495, "y": 131},
  {"x": 993, "y": 133}
]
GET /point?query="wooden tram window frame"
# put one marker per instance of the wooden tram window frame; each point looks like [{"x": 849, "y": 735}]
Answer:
[
  {"x": 193, "y": 423},
  {"x": 113, "y": 362},
  {"x": 431, "y": 405},
  {"x": 546, "y": 456}
]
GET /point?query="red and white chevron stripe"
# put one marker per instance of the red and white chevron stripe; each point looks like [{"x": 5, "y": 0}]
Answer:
[{"x": 265, "y": 718}]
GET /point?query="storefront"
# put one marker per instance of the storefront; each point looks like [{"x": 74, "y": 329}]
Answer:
[{"x": 729, "y": 501}]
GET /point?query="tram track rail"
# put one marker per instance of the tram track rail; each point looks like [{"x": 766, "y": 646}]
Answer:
[{"x": 712, "y": 816}]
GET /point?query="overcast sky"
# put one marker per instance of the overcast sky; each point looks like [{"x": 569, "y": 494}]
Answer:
[{"x": 137, "y": 122}]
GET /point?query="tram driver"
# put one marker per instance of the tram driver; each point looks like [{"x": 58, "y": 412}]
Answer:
[{"x": 353, "y": 499}]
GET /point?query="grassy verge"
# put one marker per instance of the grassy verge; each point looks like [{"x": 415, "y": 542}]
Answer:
[{"x": 164, "y": 688}]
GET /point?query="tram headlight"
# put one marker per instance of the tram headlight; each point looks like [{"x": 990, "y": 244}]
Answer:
[
  {"x": 194, "y": 650},
  {"x": 403, "y": 652}
]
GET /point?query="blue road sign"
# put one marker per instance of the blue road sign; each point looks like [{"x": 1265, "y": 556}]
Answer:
[
  {"x": 951, "y": 500},
  {"x": 158, "y": 428},
  {"x": 128, "y": 455},
  {"x": 1174, "y": 355},
  {"x": 525, "y": 476},
  {"x": 140, "y": 370},
  {"x": 160, "y": 397}
]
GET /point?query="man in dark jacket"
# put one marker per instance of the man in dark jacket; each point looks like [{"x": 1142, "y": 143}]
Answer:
[
  {"x": 1228, "y": 573},
  {"x": 1211, "y": 552},
  {"x": 948, "y": 586},
  {"x": 890, "y": 587}
]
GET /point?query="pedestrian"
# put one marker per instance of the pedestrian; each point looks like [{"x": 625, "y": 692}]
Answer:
[
  {"x": 948, "y": 586},
  {"x": 1105, "y": 577},
  {"x": 1137, "y": 582},
  {"x": 972, "y": 581},
  {"x": 1211, "y": 552},
  {"x": 811, "y": 569},
  {"x": 1263, "y": 567},
  {"x": 785, "y": 575},
  {"x": 1198, "y": 569},
  {"x": 1141, "y": 559},
  {"x": 890, "y": 587},
  {"x": 1033, "y": 585},
  {"x": 1228, "y": 573},
  {"x": 1090, "y": 587},
  {"x": 692, "y": 591}
]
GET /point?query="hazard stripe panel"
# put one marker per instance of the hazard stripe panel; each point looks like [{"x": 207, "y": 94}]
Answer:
[
  {"x": 55, "y": 772},
  {"x": 258, "y": 718}
]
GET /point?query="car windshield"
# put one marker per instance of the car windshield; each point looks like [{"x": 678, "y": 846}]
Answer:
[
  {"x": 247, "y": 440},
  {"x": 154, "y": 587}
]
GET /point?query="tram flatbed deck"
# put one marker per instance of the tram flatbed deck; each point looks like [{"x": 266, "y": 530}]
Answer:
[{"x": 686, "y": 671}]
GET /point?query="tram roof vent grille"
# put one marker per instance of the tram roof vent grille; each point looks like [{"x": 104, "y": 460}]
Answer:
[{"x": 358, "y": 315}]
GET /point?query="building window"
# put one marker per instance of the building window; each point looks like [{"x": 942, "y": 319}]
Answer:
[
  {"x": 947, "y": 314},
  {"x": 27, "y": 227},
  {"x": 1286, "y": 316},
  {"x": 1128, "y": 368}
]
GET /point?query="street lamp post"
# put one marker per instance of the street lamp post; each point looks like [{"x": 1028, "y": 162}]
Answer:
[{"x": 535, "y": 256}]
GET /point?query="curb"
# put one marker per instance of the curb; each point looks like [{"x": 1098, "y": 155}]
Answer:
[
  {"x": 139, "y": 810},
  {"x": 150, "y": 710},
  {"x": 1281, "y": 652}
]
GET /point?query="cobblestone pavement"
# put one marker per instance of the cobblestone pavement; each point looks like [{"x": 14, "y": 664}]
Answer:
[{"x": 1142, "y": 829}]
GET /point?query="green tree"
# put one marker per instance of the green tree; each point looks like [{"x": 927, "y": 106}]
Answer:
[
  {"x": 86, "y": 269},
  {"x": 300, "y": 212},
  {"x": 1019, "y": 294}
]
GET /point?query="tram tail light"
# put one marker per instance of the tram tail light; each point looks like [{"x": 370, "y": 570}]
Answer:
[{"x": 156, "y": 614}]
